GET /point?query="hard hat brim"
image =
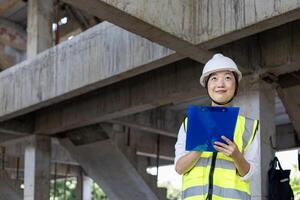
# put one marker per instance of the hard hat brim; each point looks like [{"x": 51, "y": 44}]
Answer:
[{"x": 205, "y": 75}]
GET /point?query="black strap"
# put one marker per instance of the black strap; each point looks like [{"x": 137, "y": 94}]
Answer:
[
  {"x": 298, "y": 160},
  {"x": 274, "y": 163},
  {"x": 211, "y": 176},
  {"x": 184, "y": 126}
]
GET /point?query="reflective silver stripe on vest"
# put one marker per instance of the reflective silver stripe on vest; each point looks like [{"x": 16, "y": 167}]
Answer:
[
  {"x": 248, "y": 131},
  {"x": 220, "y": 163},
  {"x": 195, "y": 191},
  {"x": 220, "y": 191}
]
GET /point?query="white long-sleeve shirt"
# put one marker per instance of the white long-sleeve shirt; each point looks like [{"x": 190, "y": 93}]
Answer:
[{"x": 252, "y": 155}]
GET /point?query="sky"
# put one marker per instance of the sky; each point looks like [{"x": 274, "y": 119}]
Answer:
[{"x": 288, "y": 158}]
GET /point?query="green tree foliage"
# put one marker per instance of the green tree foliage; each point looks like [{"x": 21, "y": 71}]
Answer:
[
  {"x": 295, "y": 182},
  {"x": 97, "y": 193},
  {"x": 65, "y": 190}
]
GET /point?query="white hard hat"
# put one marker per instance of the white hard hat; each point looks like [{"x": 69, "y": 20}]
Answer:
[{"x": 219, "y": 63}]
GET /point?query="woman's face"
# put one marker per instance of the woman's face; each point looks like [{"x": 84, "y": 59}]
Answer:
[{"x": 221, "y": 86}]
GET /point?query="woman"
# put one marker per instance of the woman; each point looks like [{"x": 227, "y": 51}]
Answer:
[{"x": 223, "y": 175}]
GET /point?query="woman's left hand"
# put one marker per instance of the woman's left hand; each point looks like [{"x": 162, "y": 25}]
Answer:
[{"x": 229, "y": 149}]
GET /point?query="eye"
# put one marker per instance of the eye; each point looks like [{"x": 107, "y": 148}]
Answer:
[
  {"x": 213, "y": 78},
  {"x": 228, "y": 78}
]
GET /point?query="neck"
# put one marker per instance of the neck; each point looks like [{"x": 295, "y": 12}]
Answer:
[{"x": 215, "y": 104}]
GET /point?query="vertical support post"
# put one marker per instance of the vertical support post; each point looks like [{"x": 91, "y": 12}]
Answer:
[
  {"x": 79, "y": 185},
  {"x": 3, "y": 158},
  {"x": 37, "y": 168},
  {"x": 18, "y": 170},
  {"x": 157, "y": 156},
  {"x": 39, "y": 26},
  {"x": 87, "y": 187},
  {"x": 257, "y": 100}
]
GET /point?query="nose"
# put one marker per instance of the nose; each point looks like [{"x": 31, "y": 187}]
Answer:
[{"x": 220, "y": 83}]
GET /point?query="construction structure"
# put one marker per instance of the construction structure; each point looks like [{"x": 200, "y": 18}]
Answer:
[{"x": 99, "y": 88}]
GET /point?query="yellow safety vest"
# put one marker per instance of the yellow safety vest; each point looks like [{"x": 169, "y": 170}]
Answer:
[{"x": 227, "y": 184}]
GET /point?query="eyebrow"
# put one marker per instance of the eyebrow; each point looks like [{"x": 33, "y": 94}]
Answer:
[{"x": 231, "y": 73}]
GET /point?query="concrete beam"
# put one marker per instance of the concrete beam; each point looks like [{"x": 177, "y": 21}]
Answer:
[
  {"x": 6, "y": 5},
  {"x": 174, "y": 24},
  {"x": 12, "y": 34},
  {"x": 15, "y": 147},
  {"x": 22, "y": 126},
  {"x": 156, "y": 144},
  {"x": 62, "y": 170},
  {"x": 96, "y": 158},
  {"x": 126, "y": 137},
  {"x": 291, "y": 103},
  {"x": 159, "y": 121},
  {"x": 39, "y": 26},
  {"x": 115, "y": 101},
  {"x": 46, "y": 92},
  {"x": 104, "y": 11},
  {"x": 7, "y": 137},
  {"x": 61, "y": 72}
]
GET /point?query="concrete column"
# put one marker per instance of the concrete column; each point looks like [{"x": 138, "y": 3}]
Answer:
[
  {"x": 37, "y": 168},
  {"x": 39, "y": 26},
  {"x": 257, "y": 100},
  {"x": 87, "y": 188},
  {"x": 79, "y": 186}
]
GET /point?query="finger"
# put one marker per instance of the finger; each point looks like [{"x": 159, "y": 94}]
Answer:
[
  {"x": 226, "y": 140},
  {"x": 221, "y": 149},
  {"x": 221, "y": 144}
]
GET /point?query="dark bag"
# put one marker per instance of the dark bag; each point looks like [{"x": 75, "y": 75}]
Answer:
[{"x": 279, "y": 182}]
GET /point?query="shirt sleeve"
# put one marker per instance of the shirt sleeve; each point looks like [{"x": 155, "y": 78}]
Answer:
[
  {"x": 252, "y": 155},
  {"x": 180, "y": 144}
]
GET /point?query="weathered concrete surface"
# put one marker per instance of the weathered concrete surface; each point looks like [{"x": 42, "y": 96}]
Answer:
[
  {"x": 7, "y": 137},
  {"x": 290, "y": 100},
  {"x": 124, "y": 137},
  {"x": 37, "y": 168},
  {"x": 125, "y": 98},
  {"x": 256, "y": 53},
  {"x": 8, "y": 5},
  {"x": 16, "y": 148},
  {"x": 7, "y": 191},
  {"x": 39, "y": 26},
  {"x": 12, "y": 34},
  {"x": 9, "y": 56},
  {"x": 159, "y": 121},
  {"x": 180, "y": 25},
  {"x": 151, "y": 145},
  {"x": 101, "y": 56},
  {"x": 286, "y": 137},
  {"x": 133, "y": 24},
  {"x": 257, "y": 101},
  {"x": 107, "y": 165}
]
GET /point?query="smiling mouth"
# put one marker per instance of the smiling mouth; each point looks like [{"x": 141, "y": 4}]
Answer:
[{"x": 220, "y": 92}]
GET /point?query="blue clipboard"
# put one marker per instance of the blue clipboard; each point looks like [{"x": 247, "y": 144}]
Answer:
[{"x": 206, "y": 124}]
